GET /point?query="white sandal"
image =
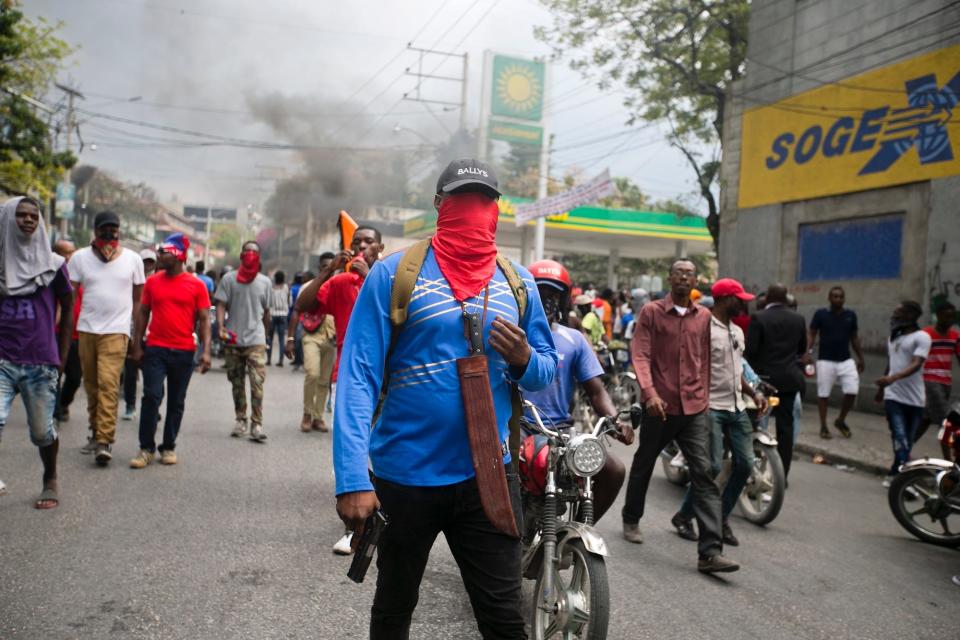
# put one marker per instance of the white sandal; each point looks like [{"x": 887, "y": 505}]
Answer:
[{"x": 3, "y": 488}]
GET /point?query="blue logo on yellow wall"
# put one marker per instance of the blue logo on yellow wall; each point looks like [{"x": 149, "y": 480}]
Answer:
[{"x": 890, "y": 131}]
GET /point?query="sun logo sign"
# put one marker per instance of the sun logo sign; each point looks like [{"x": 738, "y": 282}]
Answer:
[{"x": 518, "y": 88}]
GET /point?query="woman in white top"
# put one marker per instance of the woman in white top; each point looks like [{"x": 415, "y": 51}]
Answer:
[{"x": 279, "y": 308}]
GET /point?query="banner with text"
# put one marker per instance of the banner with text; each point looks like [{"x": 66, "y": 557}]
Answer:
[
  {"x": 886, "y": 127},
  {"x": 588, "y": 192}
]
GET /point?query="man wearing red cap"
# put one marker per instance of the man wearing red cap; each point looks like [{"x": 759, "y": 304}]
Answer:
[
  {"x": 727, "y": 409},
  {"x": 173, "y": 303}
]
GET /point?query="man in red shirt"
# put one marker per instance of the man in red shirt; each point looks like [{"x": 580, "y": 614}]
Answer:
[
  {"x": 671, "y": 355},
  {"x": 336, "y": 295},
  {"x": 173, "y": 302},
  {"x": 937, "y": 368}
]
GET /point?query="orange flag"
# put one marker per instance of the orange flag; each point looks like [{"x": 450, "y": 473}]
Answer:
[{"x": 348, "y": 227}]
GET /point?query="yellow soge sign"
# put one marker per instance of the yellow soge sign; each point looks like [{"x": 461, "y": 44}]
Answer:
[{"x": 891, "y": 126}]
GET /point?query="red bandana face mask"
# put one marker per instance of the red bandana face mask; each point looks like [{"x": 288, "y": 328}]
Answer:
[
  {"x": 249, "y": 267},
  {"x": 466, "y": 242},
  {"x": 108, "y": 248}
]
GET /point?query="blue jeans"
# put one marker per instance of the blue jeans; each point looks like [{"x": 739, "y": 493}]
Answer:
[
  {"x": 278, "y": 327},
  {"x": 38, "y": 385},
  {"x": 903, "y": 420},
  {"x": 176, "y": 366},
  {"x": 736, "y": 425}
]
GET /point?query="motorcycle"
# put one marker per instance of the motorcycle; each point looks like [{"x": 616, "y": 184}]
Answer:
[
  {"x": 926, "y": 493},
  {"x": 619, "y": 380},
  {"x": 561, "y": 549},
  {"x": 762, "y": 497}
]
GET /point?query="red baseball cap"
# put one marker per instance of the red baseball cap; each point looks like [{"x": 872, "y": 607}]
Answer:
[{"x": 729, "y": 287}]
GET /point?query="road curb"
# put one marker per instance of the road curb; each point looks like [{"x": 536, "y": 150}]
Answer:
[{"x": 832, "y": 457}]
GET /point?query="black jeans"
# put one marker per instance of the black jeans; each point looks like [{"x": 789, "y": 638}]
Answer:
[
  {"x": 278, "y": 327},
  {"x": 71, "y": 379},
  {"x": 176, "y": 366},
  {"x": 489, "y": 561},
  {"x": 783, "y": 414},
  {"x": 691, "y": 434},
  {"x": 130, "y": 374}
]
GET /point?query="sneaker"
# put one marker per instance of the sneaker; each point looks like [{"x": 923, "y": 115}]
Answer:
[
  {"x": 257, "y": 434},
  {"x": 717, "y": 564},
  {"x": 684, "y": 527},
  {"x": 342, "y": 547},
  {"x": 142, "y": 459},
  {"x": 104, "y": 454},
  {"x": 305, "y": 423},
  {"x": 129, "y": 414},
  {"x": 843, "y": 428},
  {"x": 728, "y": 537},
  {"x": 631, "y": 533},
  {"x": 279, "y": 364},
  {"x": 239, "y": 429},
  {"x": 825, "y": 433},
  {"x": 90, "y": 447},
  {"x": 956, "y": 580},
  {"x": 168, "y": 456},
  {"x": 320, "y": 425},
  {"x": 886, "y": 482}
]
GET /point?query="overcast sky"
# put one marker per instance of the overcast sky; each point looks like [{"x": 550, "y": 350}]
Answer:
[{"x": 223, "y": 68}]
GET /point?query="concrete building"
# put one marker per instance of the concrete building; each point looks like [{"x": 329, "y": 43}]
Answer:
[{"x": 842, "y": 156}]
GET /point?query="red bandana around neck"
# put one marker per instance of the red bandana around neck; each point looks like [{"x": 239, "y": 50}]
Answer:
[
  {"x": 107, "y": 250},
  {"x": 249, "y": 267},
  {"x": 465, "y": 243}
]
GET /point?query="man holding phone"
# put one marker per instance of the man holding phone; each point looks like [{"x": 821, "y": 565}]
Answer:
[{"x": 671, "y": 355}]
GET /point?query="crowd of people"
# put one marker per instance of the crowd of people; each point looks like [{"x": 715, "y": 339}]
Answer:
[{"x": 422, "y": 354}]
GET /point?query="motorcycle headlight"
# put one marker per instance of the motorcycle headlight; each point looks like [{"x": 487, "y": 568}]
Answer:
[{"x": 585, "y": 455}]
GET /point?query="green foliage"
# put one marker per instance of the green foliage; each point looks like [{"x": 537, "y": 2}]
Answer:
[
  {"x": 226, "y": 237},
  {"x": 676, "y": 58},
  {"x": 30, "y": 56}
]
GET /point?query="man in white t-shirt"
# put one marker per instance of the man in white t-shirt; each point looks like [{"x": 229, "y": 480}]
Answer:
[
  {"x": 112, "y": 279},
  {"x": 901, "y": 389}
]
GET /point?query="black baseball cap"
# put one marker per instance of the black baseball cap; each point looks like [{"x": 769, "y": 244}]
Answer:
[
  {"x": 105, "y": 218},
  {"x": 469, "y": 172}
]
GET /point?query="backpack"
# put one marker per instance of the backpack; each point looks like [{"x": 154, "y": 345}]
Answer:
[{"x": 404, "y": 282}]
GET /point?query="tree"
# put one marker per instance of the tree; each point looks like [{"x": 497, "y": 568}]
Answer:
[
  {"x": 30, "y": 56},
  {"x": 676, "y": 58},
  {"x": 629, "y": 196}
]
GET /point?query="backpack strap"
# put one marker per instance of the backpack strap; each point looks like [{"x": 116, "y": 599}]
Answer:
[{"x": 405, "y": 280}]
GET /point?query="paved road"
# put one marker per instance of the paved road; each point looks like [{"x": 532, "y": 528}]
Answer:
[{"x": 234, "y": 542}]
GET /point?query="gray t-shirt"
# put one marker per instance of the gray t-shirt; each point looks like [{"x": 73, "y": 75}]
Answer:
[
  {"x": 245, "y": 306},
  {"x": 901, "y": 351}
]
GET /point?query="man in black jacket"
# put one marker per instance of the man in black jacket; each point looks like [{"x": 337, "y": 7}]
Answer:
[{"x": 776, "y": 339}]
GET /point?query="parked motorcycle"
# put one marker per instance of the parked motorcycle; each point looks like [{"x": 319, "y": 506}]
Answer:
[
  {"x": 925, "y": 495},
  {"x": 619, "y": 380},
  {"x": 762, "y": 497},
  {"x": 561, "y": 549}
]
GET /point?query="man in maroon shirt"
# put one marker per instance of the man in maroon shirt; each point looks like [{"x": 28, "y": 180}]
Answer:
[{"x": 671, "y": 355}]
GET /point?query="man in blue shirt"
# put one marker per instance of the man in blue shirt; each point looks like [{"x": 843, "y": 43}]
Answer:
[
  {"x": 577, "y": 364},
  {"x": 837, "y": 328},
  {"x": 419, "y": 446}
]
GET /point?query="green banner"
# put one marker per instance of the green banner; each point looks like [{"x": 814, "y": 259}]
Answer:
[
  {"x": 518, "y": 87},
  {"x": 516, "y": 133}
]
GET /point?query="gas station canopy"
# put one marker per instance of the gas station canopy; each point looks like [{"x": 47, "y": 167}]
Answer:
[{"x": 597, "y": 230}]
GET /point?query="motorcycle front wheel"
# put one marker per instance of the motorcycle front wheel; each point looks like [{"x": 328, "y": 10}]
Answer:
[
  {"x": 917, "y": 505},
  {"x": 762, "y": 498},
  {"x": 580, "y": 606}
]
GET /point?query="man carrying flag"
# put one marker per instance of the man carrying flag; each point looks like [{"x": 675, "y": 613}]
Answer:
[{"x": 173, "y": 303}]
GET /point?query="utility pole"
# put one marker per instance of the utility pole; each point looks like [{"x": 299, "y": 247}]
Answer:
[
  {"x": 421, "y": 76},
  {"x": 71, "y": 125}
]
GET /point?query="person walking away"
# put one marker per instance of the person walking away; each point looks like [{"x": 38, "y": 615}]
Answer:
[
  {"x": 671, "y": 355},
  {"x": 776, "y": 339},
  {"x": 33, "y": 281},
  {"x": 837, "y": 330},
  {"x": 577, "y": 364},
  {"x": 336, "y": 295},
  {"x": 728, "y": 415},
  {"x": 204, "y": 277},
  {"x": 279, "y": 310},
  {"x": 423, "y": 472},
  {"x": 607, "y": 304},
  {"x": 244, "y": 293},
  {"x": 937, "y": 368},
  {"x": 174, "y": 302},
  {"x": 72, "y": 376},
  {"x": 319, "y": 352},
  {"x": 901, "y": 388},
  {"x": 112, "y": 279},
  {"x": 131, "y": 370}
]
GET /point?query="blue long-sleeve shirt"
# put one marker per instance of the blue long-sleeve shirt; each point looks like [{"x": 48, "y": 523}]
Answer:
[{"x": 421, "y": 437}]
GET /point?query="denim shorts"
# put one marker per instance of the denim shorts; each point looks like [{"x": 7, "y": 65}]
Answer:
[{"x": 38, "y": 385}]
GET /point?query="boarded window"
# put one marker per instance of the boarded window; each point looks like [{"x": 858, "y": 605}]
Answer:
[{"x": 858, "y": 249}]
